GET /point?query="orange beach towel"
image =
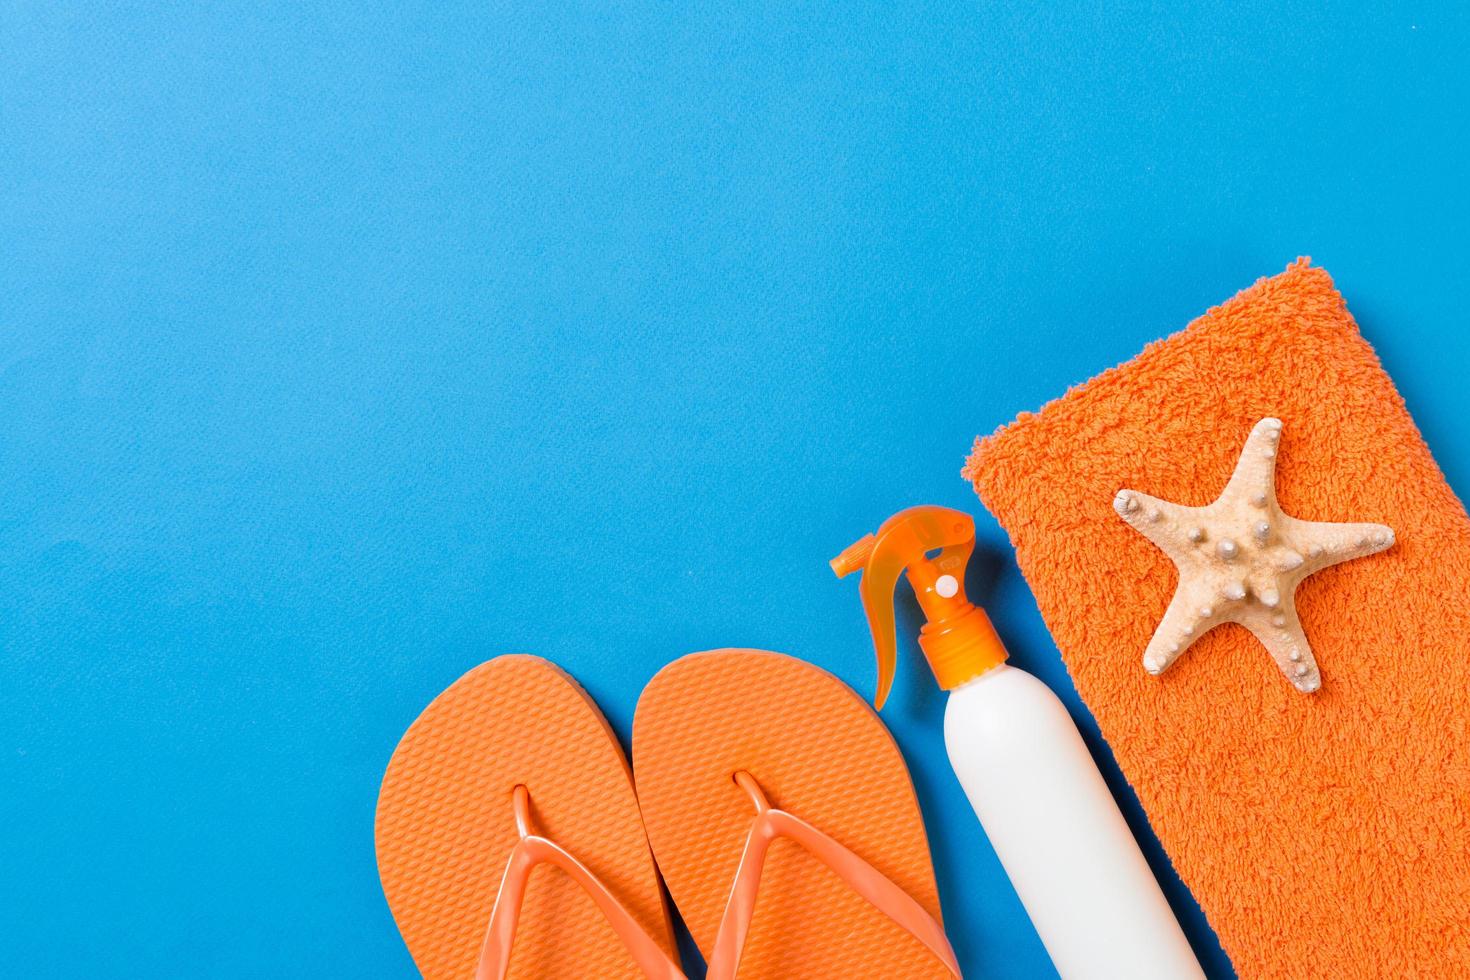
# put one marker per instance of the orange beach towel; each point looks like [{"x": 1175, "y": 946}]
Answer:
[{"x": 1325, "y": 835}]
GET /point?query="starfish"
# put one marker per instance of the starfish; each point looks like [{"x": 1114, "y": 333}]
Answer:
[{"x": 1241, "y": 559}]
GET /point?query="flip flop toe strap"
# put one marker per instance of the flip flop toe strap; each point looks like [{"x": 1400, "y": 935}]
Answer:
[
  {"x": 532, "y": 850},
  {"x": 771, "y": 824}
]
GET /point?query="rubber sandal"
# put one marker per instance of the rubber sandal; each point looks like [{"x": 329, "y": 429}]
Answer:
[
  {"x": 513, "y": 766},
  {"x": 759, "y": 772}
]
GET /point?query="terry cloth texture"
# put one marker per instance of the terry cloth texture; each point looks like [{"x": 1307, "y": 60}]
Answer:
[{"x": 1324, "y": 835}]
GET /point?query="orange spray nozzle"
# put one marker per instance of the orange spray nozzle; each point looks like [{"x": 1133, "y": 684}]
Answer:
[
  {"x": 933, "y": 545},
  {"x": 854, "y": 557}
]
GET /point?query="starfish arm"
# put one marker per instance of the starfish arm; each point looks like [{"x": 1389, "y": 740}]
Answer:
[
  {"x": 1177, "y": 631},
  {"x": 1254, "y": 478},
  {"x": 1281, "y": 633},
  {"x": 1167, "y": 525},
  {"x": 1323, "y": 544}
]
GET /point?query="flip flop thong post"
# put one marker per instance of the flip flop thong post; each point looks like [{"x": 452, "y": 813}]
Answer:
[
  {"x": 513, "y": 766},
  {"x": 759, "y": 773}
]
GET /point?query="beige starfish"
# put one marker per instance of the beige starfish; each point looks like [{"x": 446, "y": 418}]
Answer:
[{"x": 1240, "y": 560}]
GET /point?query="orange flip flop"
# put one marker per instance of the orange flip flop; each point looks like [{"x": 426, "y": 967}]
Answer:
[
  {"x": 759, "y": 772},
  {"x": 513, "y": 766}
]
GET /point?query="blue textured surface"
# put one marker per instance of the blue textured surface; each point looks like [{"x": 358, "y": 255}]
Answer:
[{"x": 343, "y": 349}]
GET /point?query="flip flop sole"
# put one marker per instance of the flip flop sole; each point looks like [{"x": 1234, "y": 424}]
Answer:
[
  {"x": 446, "y": 825},
  {"x": 819, "y": 752}
]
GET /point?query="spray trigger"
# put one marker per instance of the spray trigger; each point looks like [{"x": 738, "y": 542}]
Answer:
[{"x": 932, "y": 545}]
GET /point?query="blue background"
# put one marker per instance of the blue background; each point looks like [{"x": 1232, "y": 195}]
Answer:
[{"x": 345, "y": 348}]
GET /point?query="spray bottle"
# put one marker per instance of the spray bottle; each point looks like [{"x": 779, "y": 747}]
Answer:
[{"x": 1022, "y": 763}]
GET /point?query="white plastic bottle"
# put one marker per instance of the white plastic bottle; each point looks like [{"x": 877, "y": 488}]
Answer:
[{"x": 1023, "y": 764}]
